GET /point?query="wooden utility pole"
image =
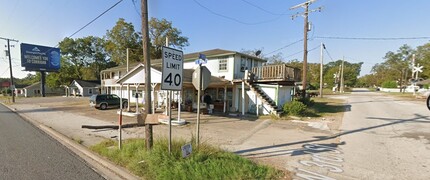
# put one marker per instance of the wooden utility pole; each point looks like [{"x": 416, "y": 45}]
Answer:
[
  {"x": 10, "y": 66},
  {"x": 145, "y": 41},
  {"x": 305, "y": 14},
  {"x": 341, "y": 76},
  {"x": 321, "y": 69}
]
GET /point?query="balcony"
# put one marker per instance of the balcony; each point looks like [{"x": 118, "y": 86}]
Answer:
[{"x": 273, "y": 73}]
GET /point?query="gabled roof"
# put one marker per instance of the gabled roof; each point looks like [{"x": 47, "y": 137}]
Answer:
[
  {"x": 187, "y": 57},
  {"x": 187, "y": 74},
  {"x": 216, "y": 53},
  {"x": 33, "y": 85},
  {"x": 87, "y": 83},
  {"x": 139, "y": 67},
  {"x": 132, "y": 65}
]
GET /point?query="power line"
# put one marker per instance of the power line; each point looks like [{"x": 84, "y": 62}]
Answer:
[
  {"x": 262, "y": 9},
  {"x": 371, "y": 38},
  {"x": 234, "y": 19},
  {"x": 95, "y": 18},
  {"x": 302, "y": 51},
  {"x": 135, "y": 8},
  {"x": 328, "y": 54},
  {"x": 288, "y": 45}
]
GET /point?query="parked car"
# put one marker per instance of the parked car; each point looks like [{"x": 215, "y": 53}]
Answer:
[{"x": 104, "y": 101}]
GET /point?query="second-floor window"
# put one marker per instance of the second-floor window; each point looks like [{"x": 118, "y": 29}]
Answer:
[{"x": 222, "y": 64}]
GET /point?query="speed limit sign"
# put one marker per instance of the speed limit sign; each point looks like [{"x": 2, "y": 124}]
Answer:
[{"x": 173, "y": 61}]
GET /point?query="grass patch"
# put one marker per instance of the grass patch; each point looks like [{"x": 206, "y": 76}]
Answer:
[
  {"x": 204, "y": 163},
  {"x": 325, "y": 107}
]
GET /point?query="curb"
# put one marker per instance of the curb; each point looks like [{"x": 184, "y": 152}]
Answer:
[{"x": 104, "y": 167}]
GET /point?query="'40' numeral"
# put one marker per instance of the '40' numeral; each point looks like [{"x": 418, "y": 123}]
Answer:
[{"x": 176, "y": 80}]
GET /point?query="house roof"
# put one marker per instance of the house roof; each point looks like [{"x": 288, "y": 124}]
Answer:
[
  {"x": 187, "y": 57},
  {"x": 33, "y": 85},
  {"x": 132, "y": 65},
  {"x": 216, "y": 53},
  {"x": 87, "y": 83},
  {"x": 187, "y": 74}
]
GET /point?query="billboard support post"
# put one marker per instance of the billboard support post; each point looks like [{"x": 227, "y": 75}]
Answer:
[{"x": 43, "y": 77}]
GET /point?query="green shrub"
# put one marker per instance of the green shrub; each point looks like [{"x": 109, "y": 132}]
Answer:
[
  {"x": 426, "y": 86},
  {"x": 294, "y": 108},
  {"x": 389, "y": 84},
  {"x": 307, "y": 101}
]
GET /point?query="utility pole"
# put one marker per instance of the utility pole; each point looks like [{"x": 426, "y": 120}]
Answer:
[
  {"x": 321, "y": 69},
  {"x": 305, "y": 14},
  {"x": 341, "y": 76},
  {"x": 145, "y": 41},
  {"x": 10, "y": 66},
  {"x": 412, "y": 65}
]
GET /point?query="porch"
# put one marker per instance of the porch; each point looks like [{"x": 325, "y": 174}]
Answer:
[{"x": 275, "y": 73}]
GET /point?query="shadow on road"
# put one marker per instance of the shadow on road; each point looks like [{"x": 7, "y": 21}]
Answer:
[{"x": 417, "y": 119}]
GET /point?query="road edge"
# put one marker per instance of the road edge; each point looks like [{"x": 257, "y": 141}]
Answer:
[{"x": 104, "y": 167}]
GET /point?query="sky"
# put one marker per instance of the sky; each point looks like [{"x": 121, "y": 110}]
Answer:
[{"x": 228, "y": 24}]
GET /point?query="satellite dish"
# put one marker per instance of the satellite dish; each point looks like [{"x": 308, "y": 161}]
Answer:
[{"x": 258, "y": 53}]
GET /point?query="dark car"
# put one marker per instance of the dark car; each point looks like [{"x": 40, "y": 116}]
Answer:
[{"x": 103, "y": 101}]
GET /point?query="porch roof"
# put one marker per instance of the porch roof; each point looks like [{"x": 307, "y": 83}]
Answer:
[{"x": 137, "y": 75}]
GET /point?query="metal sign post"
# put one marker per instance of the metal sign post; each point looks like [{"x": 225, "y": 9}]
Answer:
[
  {"x": 202, "y": 60},
  {"x": 171, "y": 78}
]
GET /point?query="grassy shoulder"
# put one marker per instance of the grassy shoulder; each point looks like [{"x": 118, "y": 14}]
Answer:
[
  {"x": 206, "y": 162},
  {"x": 403, "y": 95},
  {"x": 318, "y": 107}
]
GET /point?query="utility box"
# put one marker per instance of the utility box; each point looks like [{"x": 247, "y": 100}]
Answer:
[{"x": 206, "y": 77}]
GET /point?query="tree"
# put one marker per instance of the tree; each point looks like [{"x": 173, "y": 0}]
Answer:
[
  {"x": 121, "y": 37},
  {"x": 423, "y": 58},
  {"x": 81, "y": 58},
  {"x": 395, "y": 66},
  {"x": 351, "y": 71},
  {"x": 159, "y": 30}
]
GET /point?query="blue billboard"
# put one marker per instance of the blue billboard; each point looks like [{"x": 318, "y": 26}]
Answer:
[{"x": 39, "y": 58}]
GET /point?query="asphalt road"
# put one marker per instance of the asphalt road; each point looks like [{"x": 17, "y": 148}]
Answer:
[
  {"x": 381, "y": 137},
  {"x": 28, "y": 153},
  {"x": 385, "y": 138}
]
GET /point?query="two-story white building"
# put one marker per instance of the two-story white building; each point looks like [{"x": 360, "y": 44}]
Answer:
[{"x": 239, "y": 82}]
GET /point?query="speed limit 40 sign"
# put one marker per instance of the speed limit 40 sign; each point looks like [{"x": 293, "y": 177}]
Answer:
[{"x": 173, "y": 61}]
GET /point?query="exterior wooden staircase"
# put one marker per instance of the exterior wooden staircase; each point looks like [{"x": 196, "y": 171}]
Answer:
[{"x": 269, "y": 102}]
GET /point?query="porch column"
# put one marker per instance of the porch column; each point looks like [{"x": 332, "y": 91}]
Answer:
[
  {"x": 225, "y": 98},
  {"x": 243, "y": 97},
  {"x": 128, "y": 97},
  {"x": 179, "y": 105},
  {"x": 153, "y": 85},
  {"x": 137, "y": 98},
  {"x": 256, "y": 104}
]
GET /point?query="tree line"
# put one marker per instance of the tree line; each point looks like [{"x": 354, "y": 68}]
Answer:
[
  {"x": 396, "y": 69},
  {"x": 84, "y": 58}
]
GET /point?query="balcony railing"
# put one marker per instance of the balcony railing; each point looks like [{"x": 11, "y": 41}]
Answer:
[{"x": 280, "y": 72}]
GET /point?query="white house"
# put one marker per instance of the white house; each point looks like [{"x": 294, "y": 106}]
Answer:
[
  {"x": 83, "y": 88},
  {"x": 35, "y": 90},
  {"x": 265, "y": 87}
]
